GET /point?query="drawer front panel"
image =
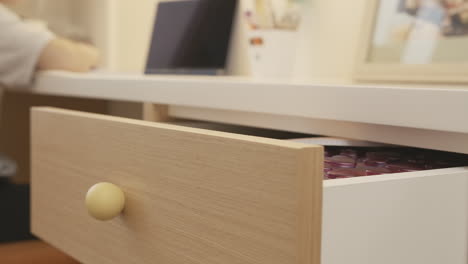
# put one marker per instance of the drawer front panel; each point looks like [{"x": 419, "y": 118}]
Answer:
[{"x": 192, "y": 196}]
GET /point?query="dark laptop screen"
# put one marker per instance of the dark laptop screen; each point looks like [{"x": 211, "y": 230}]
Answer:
[{"x": 191, "y": 34}]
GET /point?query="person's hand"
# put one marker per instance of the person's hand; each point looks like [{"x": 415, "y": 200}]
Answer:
[
  {"x": 64, "y": 54},
  {"x": 90, "y": 52}
]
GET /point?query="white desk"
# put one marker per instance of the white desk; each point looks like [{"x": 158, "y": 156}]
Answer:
[{"x": 409, "y": 115}]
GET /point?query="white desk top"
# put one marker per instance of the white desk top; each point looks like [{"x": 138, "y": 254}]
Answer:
[{"x": 428, "y": 107}]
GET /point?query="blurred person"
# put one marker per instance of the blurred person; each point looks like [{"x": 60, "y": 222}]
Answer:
[{"x": 26, "y": 48}]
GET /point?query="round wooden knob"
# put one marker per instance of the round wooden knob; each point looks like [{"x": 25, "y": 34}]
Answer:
[{"x": 105, "y": 201}]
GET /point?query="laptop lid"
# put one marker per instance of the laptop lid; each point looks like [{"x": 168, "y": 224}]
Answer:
[{"x": 191, "y": 36}]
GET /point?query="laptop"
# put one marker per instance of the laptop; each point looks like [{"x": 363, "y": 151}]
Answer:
[{"x": 191, "y": 37}]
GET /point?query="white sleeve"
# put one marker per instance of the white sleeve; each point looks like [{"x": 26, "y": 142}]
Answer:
[{"x": 20, "y": 47}]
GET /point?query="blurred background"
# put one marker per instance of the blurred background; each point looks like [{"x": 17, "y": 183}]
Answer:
[{"x": 122, "y": 30}]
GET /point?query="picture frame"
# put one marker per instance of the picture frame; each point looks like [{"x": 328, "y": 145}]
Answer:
[{"x": 423, "y": 53}]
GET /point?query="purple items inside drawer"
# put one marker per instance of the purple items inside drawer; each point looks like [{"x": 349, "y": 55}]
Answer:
[
  {"x": 348, "y": 162},
  {"x": 347, "y": 158}
]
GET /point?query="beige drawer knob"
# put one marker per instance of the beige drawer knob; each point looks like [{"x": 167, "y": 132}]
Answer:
[{"x": 105, "y": 201}]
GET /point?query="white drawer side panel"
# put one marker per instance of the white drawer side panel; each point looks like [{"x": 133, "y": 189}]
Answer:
[{"x": 417, "y": 218}]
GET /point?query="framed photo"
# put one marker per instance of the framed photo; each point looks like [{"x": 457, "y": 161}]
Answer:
[{"x": 414, "y": 40}]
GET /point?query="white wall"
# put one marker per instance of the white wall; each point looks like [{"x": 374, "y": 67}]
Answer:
[
  {"x": 331, "y": 40},
  {"x": 133, "y": 28}
]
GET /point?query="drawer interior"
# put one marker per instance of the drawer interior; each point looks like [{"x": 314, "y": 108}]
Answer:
[{"x": 351, "y": 161}]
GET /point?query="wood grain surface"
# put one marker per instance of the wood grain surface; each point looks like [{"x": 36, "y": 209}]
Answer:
[{"x": 193, "y": 196}]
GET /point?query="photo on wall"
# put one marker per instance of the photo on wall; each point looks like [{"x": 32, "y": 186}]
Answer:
[{"x": 417, "y": 40}]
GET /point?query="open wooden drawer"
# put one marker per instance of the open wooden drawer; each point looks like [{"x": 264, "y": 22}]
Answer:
[
  {"x": 192, "y": 196},
  {"x": 198, "y": 196}
]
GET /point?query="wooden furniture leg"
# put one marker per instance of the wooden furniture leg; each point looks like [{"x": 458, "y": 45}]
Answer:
[{"x": 156, "y": 112}]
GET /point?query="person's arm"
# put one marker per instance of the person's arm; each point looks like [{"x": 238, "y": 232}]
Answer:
[
  {"x": 25, "y": 48},
  {"x": 64, "y": 54}
]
